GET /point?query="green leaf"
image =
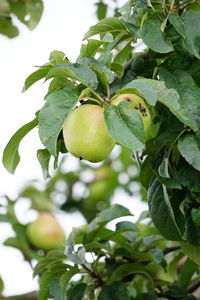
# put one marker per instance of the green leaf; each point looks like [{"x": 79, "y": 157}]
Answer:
[
  {"x": 55, "y": 289},
  {"x": 52, "y": 257},
  {"x": 190, "y": 150},
  {"x": 57, "y": 57},
  {"x": 34, "y": 10},
  {"x": 154, "y": 38},
  {"x": 161, "y": 211},
  {"x": 107, "y": 215},
  {"x": 101, "y": 10},
  {"x": 193, "y": 252},
  {"x": 116, "y": 291},
  {"x": 127, "y": 269},
  {"x": 18, "y": 8},
  {"x": 44, "y": 156},
  {"x": 188, "y": 177},
  {"x": 153, "y": 91},
  {"x": 186, "y": 25},
  {"x": 118, "y": 69},
  {"x": 112, "y": 24},
  {"x": 104, "y": 74},
  {"x": 66, "y": 277},
  {"x": 59, "y": 83},
  {"x": 123, "y": 55},
  {"x": 8, "y": 29},
  {"x": 191, "y": 230},
  {"x": 187, "y": 271},
  {"x": 11, "y": 157},
  {"x": 125, "y": 125},
  {"x": 35, "y": 76},
  {"x": 91, "y": 48},
  {"x": 76, "y": 292},
  {"x": 79, "y": 72},
  {"x": 1, "y": 286},
  {"x": 53, "y": 114},
  {"x": 195, "y": 213},
  {"x": 189, "y": 94}
]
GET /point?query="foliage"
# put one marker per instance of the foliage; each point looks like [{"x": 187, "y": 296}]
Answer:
[
  {"x": 130, "y": 262},
  {"x": 27, "y": 12},
  {"x": 134, "y": 261}
]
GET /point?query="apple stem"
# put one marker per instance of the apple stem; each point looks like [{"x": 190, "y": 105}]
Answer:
[
  {"x": 108, "y": 94},
  {"x": 99, "y": 97},
  {"x": 93, "y": 99}
]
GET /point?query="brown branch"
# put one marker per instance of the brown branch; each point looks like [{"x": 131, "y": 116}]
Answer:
[
  {"x": 92, "y": 274},
  {"x": 28, "y": 296},
  {"x": 193, "y": 286},
  {"x": 171, "y": 249}
]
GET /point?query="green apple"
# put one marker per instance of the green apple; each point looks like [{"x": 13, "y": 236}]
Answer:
[
  {"x": 137, "y": 103},
  {"x": 45, "y": 232},
  {"x": 86, "y": 135}
]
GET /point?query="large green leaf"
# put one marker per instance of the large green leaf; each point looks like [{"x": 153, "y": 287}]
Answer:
[
  {"x": 193, "y": 252},
  {"x": 53, "y": 114},
  {"x": 79, "y": 72},
  {"x": 153, "y": 91},
  {"x": 125, "y": 125},
  {"x": 28, "y": 12},
  {"x": 189, "y": 95},
  {"x": 112, "y": 24},
  {"x": 154, "y": 38},
  {"x": 76, "y": 292},
  {"x": 161, "y": 211},
  {"x": 35, "y": 76},
  {"x": 187, "y": 271},
  {"x": 187, "y": 26},
  {"x": 11, "y": 156},
  {"x": 116, "y": 291},
  {"x": 190, "y": 150},
  {"x": 47, "y": 278},
  {"x": 66, "y": 277}
]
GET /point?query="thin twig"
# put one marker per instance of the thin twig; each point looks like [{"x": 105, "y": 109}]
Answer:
[
  {"x": 171, "y": 249},
  {"x": 193, "y": 286}
]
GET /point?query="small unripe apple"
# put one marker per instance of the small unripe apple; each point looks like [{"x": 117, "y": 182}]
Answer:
[
  {"x": 137, "y": 103},
  {"x": 86, "y": 135},
  {"x": 45, "y": 233}
]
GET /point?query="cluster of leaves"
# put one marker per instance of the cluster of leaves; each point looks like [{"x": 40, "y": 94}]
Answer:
[
  {"x": 166, "y": 76},
  {"x": 131, "y": 262},
  {"x": 28, "y": 12}
]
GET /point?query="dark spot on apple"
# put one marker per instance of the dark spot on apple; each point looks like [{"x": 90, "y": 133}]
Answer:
[{"x": 141, "y": 109}]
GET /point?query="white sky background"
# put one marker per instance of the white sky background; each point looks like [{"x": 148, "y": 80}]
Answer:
[{"x": 62, "y": 28}]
